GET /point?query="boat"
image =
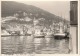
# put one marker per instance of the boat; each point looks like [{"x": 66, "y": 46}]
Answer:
[
  {"x": 59, "y": 36},
  {"x": 14, "y": 32},
  {"x": 4, "y": 33}
]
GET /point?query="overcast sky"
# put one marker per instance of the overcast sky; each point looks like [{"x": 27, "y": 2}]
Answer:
[{"x": 59, "y": 8}]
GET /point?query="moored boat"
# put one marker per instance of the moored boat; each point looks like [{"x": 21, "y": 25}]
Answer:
[{"x": 59, "y": 35}]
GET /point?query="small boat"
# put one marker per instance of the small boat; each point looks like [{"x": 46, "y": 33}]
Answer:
[
  {"x": 14, "y": 32},
  {"x": 4, "y": 33}
]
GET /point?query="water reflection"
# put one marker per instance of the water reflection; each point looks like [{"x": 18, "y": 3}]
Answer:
[{"x": 29, "y": 44}]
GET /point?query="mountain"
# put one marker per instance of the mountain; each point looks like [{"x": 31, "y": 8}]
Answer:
[{"x": 10, "y": 8}]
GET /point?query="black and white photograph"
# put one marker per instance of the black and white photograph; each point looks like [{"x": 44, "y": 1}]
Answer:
[{"x": 39, "y": 27}]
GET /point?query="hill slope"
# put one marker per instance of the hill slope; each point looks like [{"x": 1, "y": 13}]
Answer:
[{"x": 9, "y": 8}]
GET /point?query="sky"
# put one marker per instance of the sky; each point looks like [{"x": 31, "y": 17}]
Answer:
[{"x": 59, "y": 8}]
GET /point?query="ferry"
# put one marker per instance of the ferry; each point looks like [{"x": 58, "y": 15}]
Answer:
[{"x": 60, "y": 36}]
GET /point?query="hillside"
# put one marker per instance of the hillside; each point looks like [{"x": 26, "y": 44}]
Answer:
[{"x": 11, "y": 8}]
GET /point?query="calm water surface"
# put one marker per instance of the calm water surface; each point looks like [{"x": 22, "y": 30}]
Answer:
[{"x": 29, "y": 44}]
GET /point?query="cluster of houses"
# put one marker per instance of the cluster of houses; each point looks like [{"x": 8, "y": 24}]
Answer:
[
  {"x": 35, "y": 29},
  {"x": 32, "y": 28}
]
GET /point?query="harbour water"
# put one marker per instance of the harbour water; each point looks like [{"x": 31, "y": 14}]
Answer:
[{"x": 29, "y": 44}]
